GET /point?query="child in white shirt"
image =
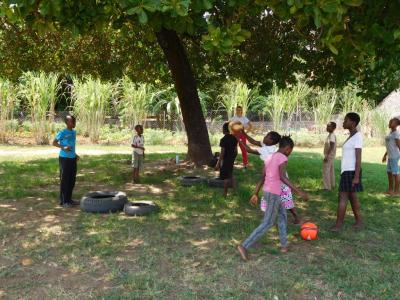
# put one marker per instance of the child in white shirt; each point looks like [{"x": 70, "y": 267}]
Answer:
[{"x": 138, "y": 153}]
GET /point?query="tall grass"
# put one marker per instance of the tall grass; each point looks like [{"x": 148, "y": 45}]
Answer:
[
  {"x": 295, "y": 98},
  {"x": 91, "y": 99},
  {"x": 39, "y": 92},
  {"x": 134, "y": 102},
  {"x": 275, "y": 107},
  {"x": 166, "y": 101},
  {"x": 237, "y": 93},
  {"x": 379, "y": 121},
  {"x": 323, "y": 107},
  {"x": 8, "y": 104},
  {"x": 286, "y": 103},
  {"x": 351, "y": 101}
]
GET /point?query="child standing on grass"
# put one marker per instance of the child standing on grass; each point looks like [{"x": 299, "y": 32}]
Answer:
[
  {"x": 66, "y": 140},
  {"x": 138, "y": 153},
  {"x": 227, "y": 158},
  {"x": 392, "y": 155},
  {"x": 268, "y": 147},
  {"x": 350, "y": 178},
  {"x": 328, "y": 169},
  {"x": 274, "y": 174}
]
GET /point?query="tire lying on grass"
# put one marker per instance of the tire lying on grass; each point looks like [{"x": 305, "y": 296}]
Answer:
[
  {"x": 139, "y": 208},
  {"x": 103, "y": 202},
  {"x": 191, "y": 180},
  {"x": 216, "y": 182}
]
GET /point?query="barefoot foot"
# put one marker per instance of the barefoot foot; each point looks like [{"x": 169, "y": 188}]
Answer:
[
  {"x": 358, "y": 226},
  {"x": 284, "y": 249},
  {"x": 335, "y": 228}
]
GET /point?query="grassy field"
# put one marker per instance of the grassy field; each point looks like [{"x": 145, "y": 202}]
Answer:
[{"x": 187, "y": 250}]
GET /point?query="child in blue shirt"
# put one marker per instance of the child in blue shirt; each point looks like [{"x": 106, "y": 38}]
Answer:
[{"x": 66, "y": 140}]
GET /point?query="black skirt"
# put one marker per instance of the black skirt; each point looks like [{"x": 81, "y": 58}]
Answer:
[
  {"x": 346, "y": 182},
  {"x": 226, "y": 170}
]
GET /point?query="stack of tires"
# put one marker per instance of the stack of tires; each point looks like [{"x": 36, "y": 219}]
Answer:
[{"x": 113, "y": 201}]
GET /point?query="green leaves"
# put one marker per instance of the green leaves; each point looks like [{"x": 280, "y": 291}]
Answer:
[
  {"x": 176, "y": 7},
  {"x": 396, "y": 34},
  {"x": 141, "y": 8},
  {"x": 330, "y": 6},
  {"x": 223, "y": 40},
  {"x": 354, "y": 3}
]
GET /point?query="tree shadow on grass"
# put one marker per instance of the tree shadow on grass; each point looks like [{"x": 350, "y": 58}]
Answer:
[{"x": 191, "y": 240}]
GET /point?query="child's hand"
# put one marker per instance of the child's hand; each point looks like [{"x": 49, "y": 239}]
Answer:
[
  {"x": 384, "y": 158},
  {"x": 67, "y": 148},
  {"x": 78, "y": 158},
  {"x": 254, "y": 200}
]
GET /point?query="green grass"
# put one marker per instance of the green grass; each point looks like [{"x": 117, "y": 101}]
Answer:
[{"x": 186, "y": 251}]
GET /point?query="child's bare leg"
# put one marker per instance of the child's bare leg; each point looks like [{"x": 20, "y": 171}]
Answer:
[
  {"x": 296, "y": 220},
  {"x": 341, "y": 210},
  {"x": 390, "y": 181},
  {"x": 226, "y": 185},
  {"x": 355, "y": 206},
  {"x": 396, "y": 183},
  {"x": 234, "y": 183},
  {"x": 135, "y": 174}
]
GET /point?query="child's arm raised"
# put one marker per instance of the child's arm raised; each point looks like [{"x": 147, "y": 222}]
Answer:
[
  {"x": 285, "y": 180},
  {"x": 254, "y": 197},
  {"x": 249, "y": 150},
  {"x": 251, "y": 140}
]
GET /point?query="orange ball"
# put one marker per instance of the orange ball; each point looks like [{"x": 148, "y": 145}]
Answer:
[{"x": 309, "y": 231}]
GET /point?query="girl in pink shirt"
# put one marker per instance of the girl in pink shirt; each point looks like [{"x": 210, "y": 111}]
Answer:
[{"x": 274, "y": 175}]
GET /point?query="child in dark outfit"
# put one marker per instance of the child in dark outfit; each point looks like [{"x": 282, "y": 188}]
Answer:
[
  {"x": 66, "y": 140},
  {"x": 227, "y": 158}
]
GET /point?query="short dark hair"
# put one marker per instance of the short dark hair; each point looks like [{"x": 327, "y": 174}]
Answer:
[
  {"x": 69, "y": 117},
  {"x": 239, "y": 106},
  {"x": 354, "y": 117},
  {"x": 396, "y": 120},
  {"x": 274, "y": 136},
  {"x": 285, "y": 141},
  {"x": 225, "y": 127},
  {"x": 138, "y": 126},
  {"x": 333, "y": 124}
]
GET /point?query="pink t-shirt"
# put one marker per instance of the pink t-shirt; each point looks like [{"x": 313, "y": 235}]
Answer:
[{"x": 272, "y": 181}]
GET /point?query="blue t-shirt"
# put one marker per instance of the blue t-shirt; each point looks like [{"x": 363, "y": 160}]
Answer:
[{"x": 67, "y": 137}]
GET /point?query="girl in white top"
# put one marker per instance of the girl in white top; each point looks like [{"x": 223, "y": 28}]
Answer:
[
  {"x": 242, "y": 138},
  {"x": 350, "y": 178}
]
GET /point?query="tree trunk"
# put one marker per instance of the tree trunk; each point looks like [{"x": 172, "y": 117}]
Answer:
[{"x": 199, "y": 148}]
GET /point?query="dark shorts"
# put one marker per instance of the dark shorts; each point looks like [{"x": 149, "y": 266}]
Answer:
[
  {"x": 346, "y": 182},
  {"x": 226, "y": 171}
]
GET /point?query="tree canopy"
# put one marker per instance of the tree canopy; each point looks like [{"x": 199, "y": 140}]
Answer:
[
  {"x": 332, "y": 41},
  {"x": 337, "y": 40}
]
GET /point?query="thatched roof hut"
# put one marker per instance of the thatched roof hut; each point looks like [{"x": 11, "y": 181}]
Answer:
[{"x": 391, "y": 104}]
